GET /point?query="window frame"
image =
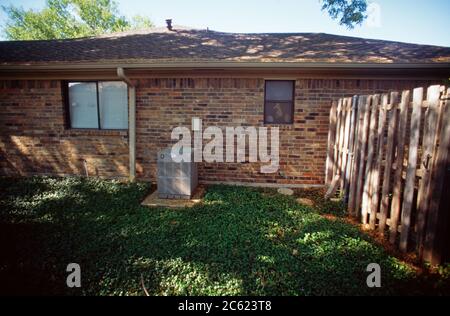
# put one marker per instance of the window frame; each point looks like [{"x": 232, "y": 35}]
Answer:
[
  {"x": 67, "y": 118},
  {"x": 292, "y": 101}
]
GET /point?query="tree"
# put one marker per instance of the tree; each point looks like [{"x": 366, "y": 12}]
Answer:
[
  {"x": 69, "y": 19},
  {"x": 348, "y": 12}
]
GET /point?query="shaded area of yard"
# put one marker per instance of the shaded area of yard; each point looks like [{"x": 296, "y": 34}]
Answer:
[{"x": 240, "y": 241}]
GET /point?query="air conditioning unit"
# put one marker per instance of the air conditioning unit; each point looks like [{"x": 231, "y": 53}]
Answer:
[{"x": 176, "y": 180}]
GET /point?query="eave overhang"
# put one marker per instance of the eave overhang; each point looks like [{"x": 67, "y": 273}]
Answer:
[{"x": 108, "y": 69}]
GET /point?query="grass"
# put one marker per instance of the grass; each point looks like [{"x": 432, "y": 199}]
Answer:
[{"x": 239, "y": 241}]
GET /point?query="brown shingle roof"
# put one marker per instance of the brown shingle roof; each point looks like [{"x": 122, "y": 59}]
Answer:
[{"x": 188, "y": 45}]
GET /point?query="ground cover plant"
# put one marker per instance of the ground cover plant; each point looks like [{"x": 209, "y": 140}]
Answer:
[{"x": 239, "y": 241}]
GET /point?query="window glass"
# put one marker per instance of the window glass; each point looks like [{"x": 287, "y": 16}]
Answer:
[
  {"x": 279, "y": 90},
  {"x": 83, "y": 105},
  {"x": 278, "y": 113},
  {"x": 279, "y": 102},
  {"x": 113, "y": 98},
  {"x": 89, "y": 100}
]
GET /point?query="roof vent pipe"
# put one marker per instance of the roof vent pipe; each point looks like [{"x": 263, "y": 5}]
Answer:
[{"x": 169, "y": 24}]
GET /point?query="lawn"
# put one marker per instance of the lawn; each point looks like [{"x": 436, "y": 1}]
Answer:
[{"x": 239, "y": 241}]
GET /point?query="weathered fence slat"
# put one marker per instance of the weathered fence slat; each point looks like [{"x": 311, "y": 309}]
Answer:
[
  {"x": 341, "y": 137},
  {"x": 356, "y": 156},
  {"x": 376, "y": 172},
  {"x": 428, "y": 146},
  {"x": 331, "y": 144},
  {"x": 392, "y": 129},
  {"x": 333, "y": 187},
  {"x": 431, "y": 250},
  {"x": 337, "y": 139},
  {"x": 362, "y": 152},
  {"x": 369, "y": 162},
  {"x": 345, "y": 146},
  {"x": 411, "y": 169},
  {"x": 351, "y": 145},
  {"x": 397, "y": 190}
]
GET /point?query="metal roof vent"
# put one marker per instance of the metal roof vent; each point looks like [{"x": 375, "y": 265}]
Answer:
[
  {"x": 169, "y": 24},
  {"x": 176, "y": 180}
]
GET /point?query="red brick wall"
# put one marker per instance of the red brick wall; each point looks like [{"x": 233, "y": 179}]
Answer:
[
  {"x": 34, "y": 140},
  {"x": 163, "y": 104}
]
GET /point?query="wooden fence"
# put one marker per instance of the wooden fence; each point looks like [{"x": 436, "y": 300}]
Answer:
[{"x": 388, "y": 157}]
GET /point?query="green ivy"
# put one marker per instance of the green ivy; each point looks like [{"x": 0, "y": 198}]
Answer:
[{"x": 238, "y": 241}]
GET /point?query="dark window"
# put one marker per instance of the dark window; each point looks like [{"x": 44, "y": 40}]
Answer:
[
  {"x": 97, "y": 104},
  {"x": 279, "y": 102}
]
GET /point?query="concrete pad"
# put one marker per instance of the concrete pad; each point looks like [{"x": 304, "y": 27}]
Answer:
[
  {"x": 154, "y": 201},
  {"x": 285, "y": 191},
  {"x": 305, "y": 201}
]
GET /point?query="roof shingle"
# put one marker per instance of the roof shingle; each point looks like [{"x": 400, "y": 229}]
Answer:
[{"x": 188, "y": 45}]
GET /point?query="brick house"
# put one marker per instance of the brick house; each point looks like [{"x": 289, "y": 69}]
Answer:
[{"x": 109, "y": 103}]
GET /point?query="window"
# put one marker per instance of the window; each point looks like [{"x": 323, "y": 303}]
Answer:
[
  {"x": 100, "y": 105},
  {"x": 279, "y": 102}
]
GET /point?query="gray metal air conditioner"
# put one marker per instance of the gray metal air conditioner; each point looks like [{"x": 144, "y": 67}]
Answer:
[{"x": 176, "y": 180}]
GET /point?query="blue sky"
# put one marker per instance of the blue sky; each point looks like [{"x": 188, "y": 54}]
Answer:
[{"x": 415, "y": 21}]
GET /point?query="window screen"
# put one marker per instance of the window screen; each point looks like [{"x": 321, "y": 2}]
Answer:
[{"x": 279, "y": 102}]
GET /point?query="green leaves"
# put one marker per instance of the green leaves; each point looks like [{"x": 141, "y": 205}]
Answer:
[
  {"x": 69, "y": 19},
  {"x": 239, "y": 241},
  {"x": 348, "y": 12}
]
